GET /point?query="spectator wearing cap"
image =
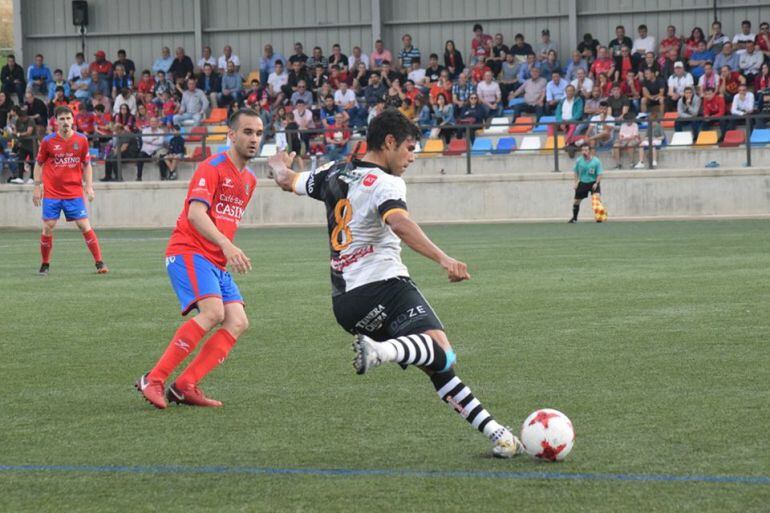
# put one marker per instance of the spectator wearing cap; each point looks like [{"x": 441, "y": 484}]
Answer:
[
  {"x": 78, "y": 69},
  {"x": 408, "y": 52},
  {"x": 182, "y": 67},
  {"x": 481, "y": 44},
  {"x": 228, "y": 56},
  {"x": 207, "y": 58},
  {"x": 164, "y": 62},
  {"x": 521, "y": 49},
  {"x": 58, "y": 81},
  {"x": 677, "y": 83},
  {"x": 38, "y": 76},
  {"x": 102, "y": 66},
  {"x": 267, "y": 63},
  {"x": 546, "y": 45},
  {"x": 379, "y": 55},
  {"x": 128, "y": 64}
]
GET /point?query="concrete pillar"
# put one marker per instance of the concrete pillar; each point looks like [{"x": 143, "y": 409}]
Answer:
[
  {"x": 573, "y": 25},
  {"x": 197, "y": 29},
  {"x": 18, "y": 34},
  {"x": 376, "y": 21}
]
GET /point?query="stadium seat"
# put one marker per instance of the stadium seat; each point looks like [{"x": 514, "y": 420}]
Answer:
[
  {"x": 198, "y": 153},
  {"x": 498, "y": 126},
  {"x": 268, "y": 150},
  {"x": 549, "y": 143},
  {"x": 216, "y": 116},
  {"x": 707, "y": 138},
  {"x": 516, "y": 101},
  {"x": 218, "y": 133},
  {"x": 541, "y": 127},
  {"x": 481, "y": 146},
  {"x": 432, "y": 148},
  {"x": 456, "y": 147},
  {"x": 505, "y": 145},
  {"x": 681, "y": 139},
  {"x": 361, "y": 150},
  {"x": 668, "y": 119},
  {"x": 760, "y": 137},
  {"x": 522, "y": 125},
  {"x": 194, "y": 133},
  {"x": 531, "y": 142},
  {"x": 733, "y": 138}
]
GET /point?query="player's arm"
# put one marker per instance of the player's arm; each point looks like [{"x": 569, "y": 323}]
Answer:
[
  {"x": 37, "y": 177},
  {"x": 282, "y": 174},
  {"x": 199, "y": 218},
  {"x": 413, "y": 236},
  {"x": 88, "y": 177}
]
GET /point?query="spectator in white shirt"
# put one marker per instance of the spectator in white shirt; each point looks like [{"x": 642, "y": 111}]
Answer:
[
  {"x": 275, "y": 81},
  {"x": 357, "y": 57},
  {"x": 78, "y": 70},
  {"x": 750, "y": 62},
  {"x": 642, "y": 44},
  {"x": 740, "y": 40},
  {"x": 489, "y": 95},
  {"x": 152, "y": 148},
  {"x": 743, "y": 103},
  {"x": 345, "y": 99},
  {"x": 417, "y": 74},
  {"x": 677, "y": 83},
  {"x": 207, "y": 58},
  {"x": 228, "y": 56},
  {"x": 583, "y": 84}
]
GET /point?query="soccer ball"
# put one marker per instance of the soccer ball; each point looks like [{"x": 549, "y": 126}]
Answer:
[{"x": 547, "y": 435}]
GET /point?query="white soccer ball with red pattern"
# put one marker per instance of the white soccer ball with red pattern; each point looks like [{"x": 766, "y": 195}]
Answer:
[{"x": 547, "y": 435}]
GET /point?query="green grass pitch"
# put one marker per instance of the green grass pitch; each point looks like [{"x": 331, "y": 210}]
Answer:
[{"x": 652, "y": 337}]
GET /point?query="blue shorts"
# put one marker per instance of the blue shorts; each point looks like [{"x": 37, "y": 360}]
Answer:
[
  {"x": 194, "y": 278},
  {"x": 74, "y": 209}
]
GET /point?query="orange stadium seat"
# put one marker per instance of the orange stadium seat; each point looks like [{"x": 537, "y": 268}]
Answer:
[
  {"x": 217, "y": 116},
  {"x": 668, "y": 119},
  {"x": 522, "y": 125}
]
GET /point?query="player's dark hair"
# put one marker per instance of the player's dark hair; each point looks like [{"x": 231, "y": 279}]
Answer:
[
  {"x": 390, "y": 122},
  {"x": 62, "y": 109},
  {"x": 236, "y": 116}
]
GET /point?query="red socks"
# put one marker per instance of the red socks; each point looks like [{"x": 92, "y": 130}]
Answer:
[
  {"x": 93, "y": 244},
  {"x": 182, "y": 344},
  {"x": 46, "y": 246},
  {"x": 211, "y": 355}
]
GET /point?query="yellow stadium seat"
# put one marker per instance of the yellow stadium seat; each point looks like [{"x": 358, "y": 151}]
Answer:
[
  {"x": 218, "y": 133},
  {"x": 432, "y": 148},
  {"x": 549, "y": 143},
  {"x": 707, "y": 138}
]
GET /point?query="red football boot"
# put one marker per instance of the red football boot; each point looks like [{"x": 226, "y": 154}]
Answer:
[
  {"x": 152, "y": 391},
  {"x": 191, "y": 396}
]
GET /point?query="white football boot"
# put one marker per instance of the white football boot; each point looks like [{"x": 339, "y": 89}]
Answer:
[
  {"x": 367, "y": 356},
  {"x": 505, "y": 444}
]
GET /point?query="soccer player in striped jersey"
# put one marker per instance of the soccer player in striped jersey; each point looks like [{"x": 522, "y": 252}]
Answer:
[
  {"x": 62, "y": 164},
  {"x": 373, "y": 296},
  {"x": 197, "y": 256}
]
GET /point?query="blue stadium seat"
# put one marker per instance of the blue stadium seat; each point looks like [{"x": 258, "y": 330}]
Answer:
[
  {"x": 544, "y": 128},
  {"x": 516, "y": 101},
  {"x": 481, "y": 146},
  {"x": 760, "y": 137},
  {"x": 505, "y": 145}
]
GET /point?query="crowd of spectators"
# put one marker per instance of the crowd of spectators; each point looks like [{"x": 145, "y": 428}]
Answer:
[{"x": 337, "y": 94}]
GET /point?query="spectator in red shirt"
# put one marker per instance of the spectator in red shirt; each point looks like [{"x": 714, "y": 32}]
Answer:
[
  {"x": 691, "y": 45},
  {"x": 481, "y": 45},
  {"x": 623, "y": 64},
  {"x": 763, "y": 39},
  {"x": 631, "y": 88},
  {"x": 337, "y": 137},
  {"x": 85, "y": 120},
  {"x": 714, "y": 107},
  {"x": 602, "y": 64},
  {"x": 729, "y": 81},
  {"x": 146, "y": 84},
  {"x": 101, "y": 65},
  {"x": 478, "y": 70},
  {"x": 672, "y": 41}
]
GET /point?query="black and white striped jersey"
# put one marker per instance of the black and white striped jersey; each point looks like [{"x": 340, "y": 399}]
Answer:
[{"x": 359, "y": 197}]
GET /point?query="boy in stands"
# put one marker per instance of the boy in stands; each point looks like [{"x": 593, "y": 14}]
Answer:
[
  {"x": 198, "y": 253},
  {"x": 63, "y": 162}
]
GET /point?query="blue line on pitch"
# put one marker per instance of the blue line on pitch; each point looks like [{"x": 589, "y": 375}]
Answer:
[{"x": 566, "y": 476}]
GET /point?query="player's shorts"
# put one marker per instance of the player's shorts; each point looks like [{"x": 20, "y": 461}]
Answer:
[
  {"x": 385, "y": 309},
  {"x": 583, "y": 189},
  {"x": 74, "y": 209},
  {"x": 194, "y": 278}
]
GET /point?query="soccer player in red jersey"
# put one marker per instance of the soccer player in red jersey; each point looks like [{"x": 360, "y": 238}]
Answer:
[
  {"x": 62, "y": 164},
  {"x": 197, "y": 256}
]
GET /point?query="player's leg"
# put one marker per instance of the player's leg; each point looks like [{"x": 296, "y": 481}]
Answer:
[
  {"x": 75, "y": 212},
  {"x": 46, "y": 237}
]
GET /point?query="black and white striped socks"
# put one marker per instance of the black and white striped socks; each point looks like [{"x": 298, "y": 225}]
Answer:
[
  {"x": 419, "y": 350},
  {"x": 453, "y": 391}
]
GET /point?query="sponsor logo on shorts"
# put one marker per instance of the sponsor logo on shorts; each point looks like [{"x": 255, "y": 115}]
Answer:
[
  {"x": 373, "y": 320},
  {"x": 409, "y": 316}
]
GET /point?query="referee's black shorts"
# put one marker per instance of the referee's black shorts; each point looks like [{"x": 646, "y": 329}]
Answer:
[{"x": 583, "y": 189}]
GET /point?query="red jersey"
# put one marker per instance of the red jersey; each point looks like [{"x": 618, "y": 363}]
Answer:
[
  {"x": 85, "y": 121},
  {"x": 145, "y": 86},
  {"x": 63, "y": 160},
  {"x": 601, "y": 66},
  {"x": 226, "y": 191},
  {"x": 715, "y": 107}
]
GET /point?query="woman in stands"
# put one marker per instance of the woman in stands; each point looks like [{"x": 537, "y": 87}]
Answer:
[
  {"x": 444, "y": 115},
  {"x": 125, "y": 118},
  {"x": 762, "y": 94},
  {"x": 395, "y": 95},
  {"x": 550, "y": 65},
  {"x": 453, "y": 59},
  {"x": 691, "y": 45}
]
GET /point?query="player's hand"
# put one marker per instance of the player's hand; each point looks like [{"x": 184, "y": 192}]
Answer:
[
  {"x": 279, "y": 164},
  {"x": 37, "y": 196},
  {"x": 237, "y": 259},
  {"x": 596, "y": 184},
  {"x": 458, "y": 271},
  {"x": 90, "y": 193}
]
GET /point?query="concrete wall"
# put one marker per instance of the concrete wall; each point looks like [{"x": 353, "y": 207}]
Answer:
[{"x": 508, "y": 197}]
